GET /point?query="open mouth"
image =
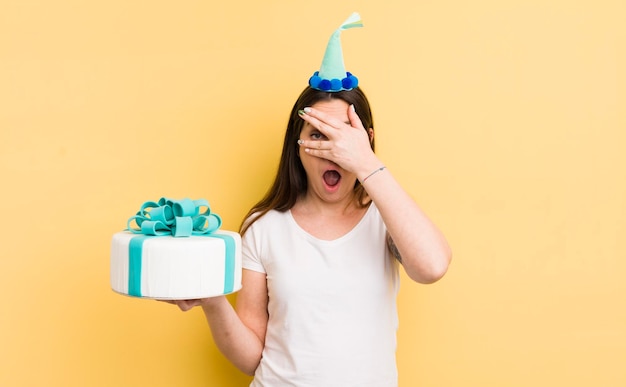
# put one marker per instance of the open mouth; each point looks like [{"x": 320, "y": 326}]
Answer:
[{"x": 331, "y": 178}]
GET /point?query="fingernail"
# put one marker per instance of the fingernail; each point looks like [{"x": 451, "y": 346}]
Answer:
[
  {"x": 300, "y": 142},
  {"x": 352, "y": 107},
  {"x": 307, "y": 110},
  {"x": 301, "y": 112}
]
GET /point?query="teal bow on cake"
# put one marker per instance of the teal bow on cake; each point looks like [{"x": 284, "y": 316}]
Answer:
[{"x": 179, "y": 218}]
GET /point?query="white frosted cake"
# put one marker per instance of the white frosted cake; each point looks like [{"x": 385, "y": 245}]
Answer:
[{"x": 163, "y": 266}]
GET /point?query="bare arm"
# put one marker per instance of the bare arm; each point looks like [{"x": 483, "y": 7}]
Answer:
[
  {"x": 414, "y": 239},
  {"x": 238, "y": 333},
  {"x": 422, "y": 248}
]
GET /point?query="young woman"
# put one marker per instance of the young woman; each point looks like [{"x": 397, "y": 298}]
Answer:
[{"x": 321, "y": 253}]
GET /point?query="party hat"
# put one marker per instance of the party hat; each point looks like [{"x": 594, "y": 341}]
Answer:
[{"x": 332, "y": 75}]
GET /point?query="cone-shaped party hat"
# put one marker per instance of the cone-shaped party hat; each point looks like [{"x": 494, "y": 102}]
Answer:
[{"x": 332, "y": 75}]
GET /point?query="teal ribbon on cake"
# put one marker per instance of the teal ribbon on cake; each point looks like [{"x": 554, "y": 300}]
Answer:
[{"x": 177, "y": 218}]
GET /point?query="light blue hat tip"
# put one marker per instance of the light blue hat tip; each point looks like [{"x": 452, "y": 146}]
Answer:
[{"x": 332, "y": 76}]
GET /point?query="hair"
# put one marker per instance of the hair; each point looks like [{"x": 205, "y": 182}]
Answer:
[{"x": 291, "y": 180}]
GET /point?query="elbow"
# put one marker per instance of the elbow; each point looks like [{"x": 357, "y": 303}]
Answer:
[
  {"x": 432, "y": 271},
  {"x": 432, "y": 276},
  {"x": 249, "y": 369}
]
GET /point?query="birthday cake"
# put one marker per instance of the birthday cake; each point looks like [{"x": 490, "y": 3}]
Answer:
[{"x": 174, "y": 249}]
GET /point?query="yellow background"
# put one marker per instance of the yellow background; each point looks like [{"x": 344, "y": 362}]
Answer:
[{"x": 504, "y": 119}]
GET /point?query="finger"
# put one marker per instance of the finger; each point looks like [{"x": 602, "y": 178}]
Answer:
[
  {"x": 185, "y": 305},
  {"x": 320, "y": 120},
  {"x": 315, "y": 144},
  {"x": 316, "y": 123},
  {"x": 355, "y": 120},
  {"x": 182, "y": 304},
  {"x": 321, "y": 153}
]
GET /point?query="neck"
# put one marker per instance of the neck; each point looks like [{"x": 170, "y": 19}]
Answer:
[{"x": 314, "y": 205}]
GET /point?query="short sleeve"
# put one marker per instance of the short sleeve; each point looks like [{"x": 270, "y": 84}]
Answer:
[{"x": 251, "y": 250}]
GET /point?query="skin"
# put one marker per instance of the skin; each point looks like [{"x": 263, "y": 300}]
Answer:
[
  {"x": 425, "y": 252},
  {"x": 333, "y": 138},
  {"x": 329, "y": 212}
]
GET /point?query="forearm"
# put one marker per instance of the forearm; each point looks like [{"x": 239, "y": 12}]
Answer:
[
  {"x": 424, "y": 250},
  {"x": 238, "y": 343}
]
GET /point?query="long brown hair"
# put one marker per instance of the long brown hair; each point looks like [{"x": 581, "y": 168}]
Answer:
[{"x": 291, "y": 181}]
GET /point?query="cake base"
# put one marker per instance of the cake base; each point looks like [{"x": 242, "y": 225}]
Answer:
[
  {"x": 169, "y": 268},
  {"x": 178, "y": 298}
]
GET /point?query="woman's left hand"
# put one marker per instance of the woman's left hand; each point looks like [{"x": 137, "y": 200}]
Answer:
[{"x": 345, "y": 144}]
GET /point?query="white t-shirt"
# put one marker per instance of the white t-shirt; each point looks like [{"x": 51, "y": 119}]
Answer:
[{"x": 332, "y": 304}]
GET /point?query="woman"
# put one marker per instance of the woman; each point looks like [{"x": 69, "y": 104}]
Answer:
[{"x": 320, "y": 257}]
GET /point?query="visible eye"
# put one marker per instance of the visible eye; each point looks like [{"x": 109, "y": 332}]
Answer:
[{"x": 318, "y": 136}]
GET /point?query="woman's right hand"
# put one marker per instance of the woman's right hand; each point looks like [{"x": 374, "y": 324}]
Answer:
[
  {"x": 186, "y": 305},
  {"x": 239, "y": 334}
]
